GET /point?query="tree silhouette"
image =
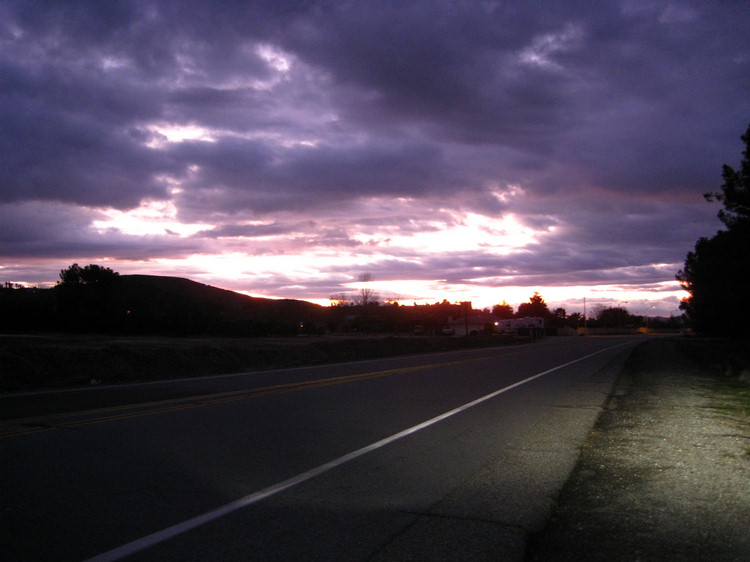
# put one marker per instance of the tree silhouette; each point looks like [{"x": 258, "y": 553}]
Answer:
[
  {"x": 86, "y": 299},
  {"x": 366, "y": 295},
  {"x": 502, "y": 311},
  {"x": 735, "y": 192},
  {"x": 574, "y": 320},
  {"x": 90, "y": 275},
  {"x": 716, "y": 273},
  {"x": 558, "y": 317},
  {"x": 535, "y": 307},
  {"x": 612, "y": 316}
]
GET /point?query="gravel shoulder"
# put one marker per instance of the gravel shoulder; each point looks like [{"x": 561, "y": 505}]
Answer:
[{"x": 665, "y": 473}]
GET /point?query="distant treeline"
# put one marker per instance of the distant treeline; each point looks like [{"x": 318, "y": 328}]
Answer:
[
  {"x": 95, "y": 299},
  {"x": 100, "y": 301}
]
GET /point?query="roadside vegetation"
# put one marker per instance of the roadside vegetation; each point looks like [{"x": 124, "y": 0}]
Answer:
[
  {"x": 734, "y": 407},
  {"x": 716, "y": 272},
  {"x": 727, "y": 362},
  {"x": 62, "y": 361}
]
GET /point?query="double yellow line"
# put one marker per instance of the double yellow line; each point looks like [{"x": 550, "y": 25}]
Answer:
[{"x": 39, "y": 424}]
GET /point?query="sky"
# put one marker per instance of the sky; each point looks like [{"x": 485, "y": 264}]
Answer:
[{"x": 460, "y": 150}]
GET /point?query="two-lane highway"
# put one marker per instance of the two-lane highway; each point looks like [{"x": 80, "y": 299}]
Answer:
[{"x": 320, "y": 463}]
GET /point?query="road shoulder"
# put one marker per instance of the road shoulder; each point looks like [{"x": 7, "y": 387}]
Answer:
[{"x": 663, "y": 475}]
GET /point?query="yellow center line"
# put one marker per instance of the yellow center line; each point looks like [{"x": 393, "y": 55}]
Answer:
[{"x": 57, "y": 421}]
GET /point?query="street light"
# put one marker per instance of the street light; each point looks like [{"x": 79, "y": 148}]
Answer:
[{"x": 649, "y": 308}]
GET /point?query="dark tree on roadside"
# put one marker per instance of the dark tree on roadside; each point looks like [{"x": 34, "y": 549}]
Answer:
[
  {"x": 613, "y": 317},
  {"x": 86, "y": 298},
  {"x": 536, "y": 307},
  {"x": 716, "y": 273},
  {"x": 735, "y": 193},
  {"x": 574, "y": 320},
  {"x": 502, "y": 311},
  {"x": 558, "y": 317}
]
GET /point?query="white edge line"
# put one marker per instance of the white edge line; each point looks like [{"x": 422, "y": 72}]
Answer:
[{"x": 165, "y": 534}]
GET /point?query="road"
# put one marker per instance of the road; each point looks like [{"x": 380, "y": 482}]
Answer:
[{"x": 320, "y": 463}]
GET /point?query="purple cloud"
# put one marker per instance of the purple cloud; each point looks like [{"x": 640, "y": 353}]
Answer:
[{"x": 366, "y": 128}]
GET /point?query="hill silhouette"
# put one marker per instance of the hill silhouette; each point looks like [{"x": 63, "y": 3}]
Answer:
[
  {"x": 184, "y": 306},
  {"x": 149, "y": 304}
]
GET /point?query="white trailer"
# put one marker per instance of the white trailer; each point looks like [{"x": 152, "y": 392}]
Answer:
[{"x": 529, "y": 326}]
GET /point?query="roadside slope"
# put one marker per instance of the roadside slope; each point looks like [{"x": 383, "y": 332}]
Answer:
[{"x": 36, "y": 362}]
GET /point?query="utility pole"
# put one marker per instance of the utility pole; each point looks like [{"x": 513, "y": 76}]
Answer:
[{"x": 467, "y": 307}]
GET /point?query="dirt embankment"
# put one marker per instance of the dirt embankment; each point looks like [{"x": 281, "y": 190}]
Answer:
[{"x": 41, "y": 362}]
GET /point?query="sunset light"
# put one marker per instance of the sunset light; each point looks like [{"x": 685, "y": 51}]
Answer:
[
  {"x": 285, "y": 153},
  {"x": 374, "y": 280}
]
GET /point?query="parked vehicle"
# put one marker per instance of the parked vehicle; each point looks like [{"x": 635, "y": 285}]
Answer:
[{"x": 528, "y": 326}]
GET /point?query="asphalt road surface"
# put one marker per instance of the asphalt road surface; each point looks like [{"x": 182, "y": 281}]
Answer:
[{"x": 320, "y": 463}]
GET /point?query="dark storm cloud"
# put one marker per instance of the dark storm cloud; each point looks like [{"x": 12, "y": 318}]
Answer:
[
  {"x": 73, "y": 160},
  {"x": 448, "y": 67},
  {"x": 245, "y": 175},
  {"x": 612, "y": 86},
  {"x": 614, "y": 83},
  {"x": 79, "y": 81}
]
